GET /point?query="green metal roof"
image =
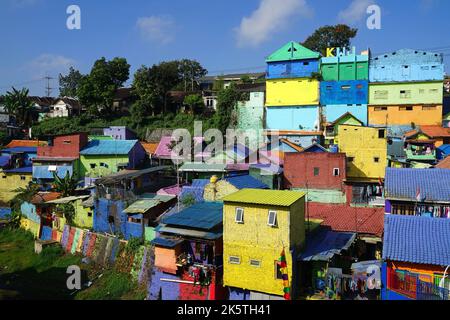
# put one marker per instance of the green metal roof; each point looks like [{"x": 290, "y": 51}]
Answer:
[
  {"x": 145, "y": 204},
  {"x": 282, "y": 198},
  {"x": 292, "y": 51}
]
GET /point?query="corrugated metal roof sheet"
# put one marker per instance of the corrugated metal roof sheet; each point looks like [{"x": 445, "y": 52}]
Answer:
[
  {"x": 246, "y": 181},
  {"x": 204, "y": 215},
  {"x": 403, "y": 184},
  {"x": 25, "y": 143},
  {"x": 324, "y": 244},
  {"x": 20, "y": 170},
  {"x": 68, "y": 199},
  {"x": 128, "y": 174},
  {"x": 417, "y": 240},
  {"x": 163, "y": 150},
  {"x": 143, "y": 205},
  {"x": 280, "y": 198},
  {"x": 108, "y": 147},
  {"x": 20, "y": 150},
  {"x": 166, "y": 242},
  {"x": 203, "y": 167},
  {"x": 444, "y": 164},
  {"x": 189, "y": 232}
]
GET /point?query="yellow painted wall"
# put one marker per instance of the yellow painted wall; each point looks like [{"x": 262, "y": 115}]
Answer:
[
  {"x": 254, "y": 239},
  {"x": 292, "y": 92},
  {"x": 31, "y": 226},
  {"x": 363, "y": 144},
  {"x": 10, "y": 182},
  {"x": 394, "y": 115},
  {"x": 82, "y": 219},
  {"x": 216, "y": 191}
]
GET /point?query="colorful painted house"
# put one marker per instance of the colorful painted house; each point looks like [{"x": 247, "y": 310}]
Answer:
[
  {"x": 83, "y": 211},
  {"x": 61, "y": 156},
  {"x": 418, "y": 192},
  {"x": 366, "y": 150},
  {"x": 415, "y": 268},
  {"x": 341, "y": 64},
  {"x": 12, "y": 179},
  {"x": 116, "y": 192},
  {"x": 331, "y": 129},
  {"x": 119, "y": 133},
  {"x": 407, "y": 65},
  {"x": 315, "y": 170},
  {"x": 216, "y": 190},
  {"x": 259, "y": 226},
  {"x": 103, "y": 157},
  {"x": 188, "y": 255},
  {"x": 250, "y": 113},
  {"x": 292, "y": 92},
  {"x": 406, "y": 88}
]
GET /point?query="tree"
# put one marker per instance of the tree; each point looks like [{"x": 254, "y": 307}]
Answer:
[
  {"x": 69, "y": 84},
  {"x": 97, "y": 90},
  {"x": 145, "y": 88},
  {"x": 190, "y": 71},
  {"x": 194, "y": 102},
  {"x": 24, "y": 195},
  {"x": 66, "y": 186},
  {"x": 165, "y": 76},
  {"x": 330, "y": 36},
  {"x": 19, "y": 105},
  {"x": 226, "y": 103}
]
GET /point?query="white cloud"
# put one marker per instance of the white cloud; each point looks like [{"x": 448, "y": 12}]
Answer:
[
  {"x": 355, "y": 12},
  {"x": 270, "y": 17},
  {"x": 157, "y": 28},
  {"x": 49, "y": 64}
]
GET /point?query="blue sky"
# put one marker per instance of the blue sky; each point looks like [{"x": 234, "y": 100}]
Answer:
[{"x": 225, "y": 36}]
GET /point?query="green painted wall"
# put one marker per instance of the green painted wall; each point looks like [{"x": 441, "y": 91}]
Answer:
[
  {"x": 82, "y": 218},
  {"x": 251, "y": 116},
  {"x": 406, "y": 93},
  {"x": 345, "y": 71},
  {"x": 110, "y": 161},
  {"x": 324, "y": 196}
]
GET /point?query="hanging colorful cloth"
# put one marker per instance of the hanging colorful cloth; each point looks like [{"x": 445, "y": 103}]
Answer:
[{"x": 284, "y": 272}]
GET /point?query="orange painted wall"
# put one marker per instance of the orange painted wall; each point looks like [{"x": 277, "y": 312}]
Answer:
[
  {"x": 428, "y": 270},
  {"x": 394, "y": 116}
]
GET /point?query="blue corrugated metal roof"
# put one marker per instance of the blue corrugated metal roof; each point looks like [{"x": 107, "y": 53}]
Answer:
[
  {"x": 107, "y": 147},
  {"x": 166, "y": 242},
  {"x": 246, "y": 181},
  {"x": 417, "y": 240},
  {"x": 196, "y": 189},
  {"x": 4, "y": 160},
  {"x": 203, "y": 215},
  {"x": 21, "y": 149},
  {"x": 324, "y": 244},
  {"x": 403, "y": 184},
  {"x": 20, "y": 170},
  {"x": 443, "y": 151}
]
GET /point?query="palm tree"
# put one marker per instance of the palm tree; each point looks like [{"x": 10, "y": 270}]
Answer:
[
  {"x": 19, "y": 105},
  {"x": 66, "y": 186}
]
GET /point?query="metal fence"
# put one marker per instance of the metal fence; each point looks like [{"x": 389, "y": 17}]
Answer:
[{"x": 410, "y": 285}]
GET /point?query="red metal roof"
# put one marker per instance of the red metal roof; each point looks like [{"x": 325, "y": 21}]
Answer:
[
  {"x": 42, "y": 197},
  {"x": 344, "y": 218}
]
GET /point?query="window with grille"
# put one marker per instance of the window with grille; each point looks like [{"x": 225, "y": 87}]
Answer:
[
  {"x": 255, "y": 263},
  {"x": 381, "y": 94}
]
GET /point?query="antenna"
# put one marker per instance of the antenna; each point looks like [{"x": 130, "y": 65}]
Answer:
[{"x": 48, "y": 89}]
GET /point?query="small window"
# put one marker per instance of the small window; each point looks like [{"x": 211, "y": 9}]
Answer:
[
  {"x": 428, "y": 108},
  {"x": 351, "y": 159},
  {"x": 380, "y": 109},
  {"x": 336, "y": 172},
  {"x": 234, "y": 260},
  {"x": 381, "y": 94},
  {"x": 93, "y": 165},
  {"x": 90, "y": 214},
  {"x": 4, "y": 177},
  {"x": 434, "y": 91},
  {"x": 381, "y": 134},
  {"x": 421, "y": 91},
  {"x": 376, "y": 160},
  {"x": 316, "y": 172},
  {"x": 405, "y": 94},
  {"x": 104, "y": 165},
  {"x": 67, "y": 142},
  {"x": 410, "y": 108},
  {"x": 110, "y": 219},
  {"x": 306, "y": 63},
  {"x": 255, "y": 263},
  {"x": 22, "y": 178},
  {"x": 346, "y": 87},
  {"x": 239, "y": 218},
  {"x": 272, "y": 219}
]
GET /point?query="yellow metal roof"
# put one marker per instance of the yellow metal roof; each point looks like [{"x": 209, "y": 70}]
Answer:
[{"x": 282, "y": 198}]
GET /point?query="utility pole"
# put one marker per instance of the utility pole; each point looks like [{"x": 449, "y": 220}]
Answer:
[{"x": 48, "y": 89}]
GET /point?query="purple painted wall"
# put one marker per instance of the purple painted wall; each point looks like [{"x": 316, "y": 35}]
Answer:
[{"x": 387, "y": 206}]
